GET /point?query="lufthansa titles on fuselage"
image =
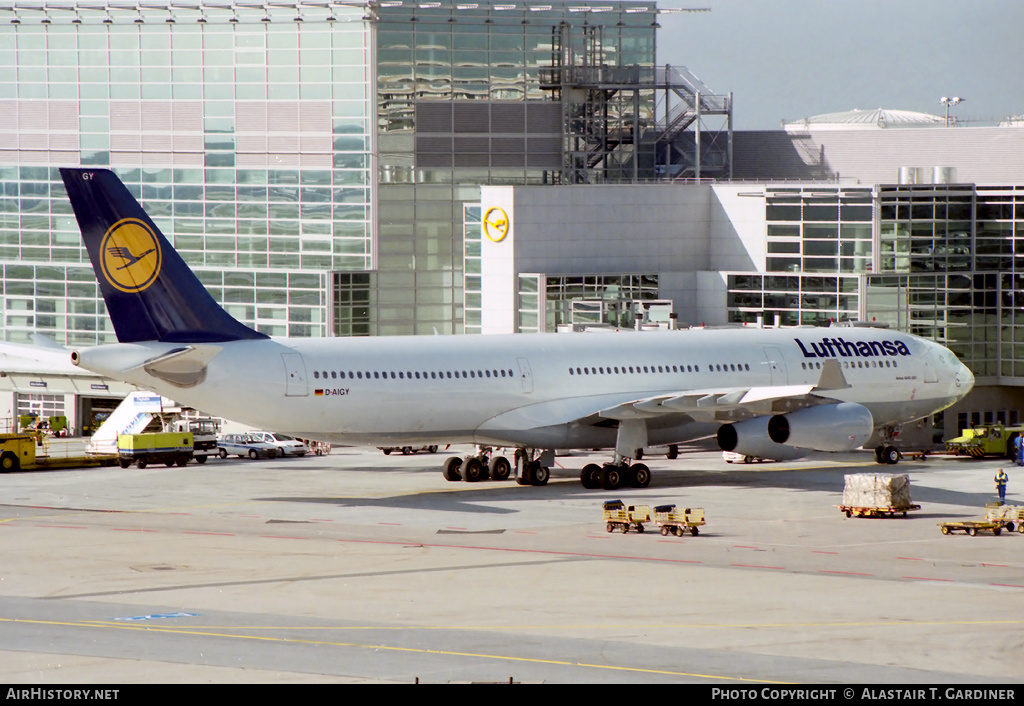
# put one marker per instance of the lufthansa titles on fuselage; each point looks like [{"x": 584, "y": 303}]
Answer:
[{"x": 841, "y": 348}]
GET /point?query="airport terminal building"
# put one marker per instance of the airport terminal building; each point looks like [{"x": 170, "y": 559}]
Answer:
[{"x": 401, "y": 167}]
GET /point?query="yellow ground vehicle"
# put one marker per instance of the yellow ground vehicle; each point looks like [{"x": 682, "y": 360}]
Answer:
[
  {"x": 27, "y": 452},
  {"x": 991, "y": 440},
  {"x": 171, "y": 448},
  {"x": 678, "y": 522},
  {"x": 618, "y": 515}
]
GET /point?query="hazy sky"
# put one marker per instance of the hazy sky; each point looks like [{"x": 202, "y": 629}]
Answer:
[{"x": 791, "y": 59}]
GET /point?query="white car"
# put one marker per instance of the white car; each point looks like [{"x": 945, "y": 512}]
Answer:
[
  {"x": 733, "y": 457},
  {"x": 670, "y": 451},
  {"x": 286, "y": 445},
  {"x": 243, "y": 445}
]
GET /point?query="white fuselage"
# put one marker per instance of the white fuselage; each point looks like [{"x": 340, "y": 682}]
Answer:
[{"x": 538, "y": 390}]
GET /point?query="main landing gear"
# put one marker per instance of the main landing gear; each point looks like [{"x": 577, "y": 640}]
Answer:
[
  {"x": 473, "y": 469},
  {"x": 612, "y": 476},
  {"x": 885, "y": 452}
]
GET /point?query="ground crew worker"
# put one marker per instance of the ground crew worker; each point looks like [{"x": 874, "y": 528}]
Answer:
[{"x": 1001, "y": 484}]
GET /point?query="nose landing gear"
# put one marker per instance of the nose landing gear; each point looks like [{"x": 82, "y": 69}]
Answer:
[{"x": 886, "y": 452}]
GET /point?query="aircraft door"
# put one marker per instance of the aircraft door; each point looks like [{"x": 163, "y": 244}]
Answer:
[
  {"x": 295, "y": 375},
  {"x": 930, "y": 372},
  {"x": 525, "y": 375},
  {"x": 776, "y": 365}
]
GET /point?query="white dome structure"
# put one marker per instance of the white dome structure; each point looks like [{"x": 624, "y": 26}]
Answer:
[{"x": 866, "y": 119}]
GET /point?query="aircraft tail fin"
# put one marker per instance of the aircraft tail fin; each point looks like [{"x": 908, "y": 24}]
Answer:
[{"x": 151, "y": 294}]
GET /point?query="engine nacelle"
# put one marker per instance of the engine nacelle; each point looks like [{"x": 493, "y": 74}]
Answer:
[
  {"x": 750, "y": 438},
  {"x": 828, "y": 427}
]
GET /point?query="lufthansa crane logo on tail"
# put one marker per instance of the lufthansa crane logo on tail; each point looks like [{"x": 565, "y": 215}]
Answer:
[
  {"x": 496, "y": 224},
  {"x": 130, "y": 255}
]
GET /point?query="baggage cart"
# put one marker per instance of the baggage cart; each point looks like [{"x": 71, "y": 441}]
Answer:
[
  {"x": 678, "y": 522},
  {"x": 877, "y": 510},
  {"x": 1010, "y": 516},
  {"x": 971, "y": 527},
  {"x": 618, "y": 516}
]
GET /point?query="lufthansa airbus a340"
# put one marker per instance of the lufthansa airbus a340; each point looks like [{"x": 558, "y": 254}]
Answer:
[{"x": 772, "y": 393}]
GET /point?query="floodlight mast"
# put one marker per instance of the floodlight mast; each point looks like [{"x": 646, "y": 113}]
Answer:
[{"x": 950, "y": 102}]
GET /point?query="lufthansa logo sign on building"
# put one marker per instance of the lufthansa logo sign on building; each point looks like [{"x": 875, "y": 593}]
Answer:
[
  {"x": 130, "y": 255},
  {"x": 496, "y": 224}
]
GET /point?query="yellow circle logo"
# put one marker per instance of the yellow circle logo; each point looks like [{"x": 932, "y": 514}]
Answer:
[
  {"x": 496, "y": 224},
  {"x": 130, "y": 255}
]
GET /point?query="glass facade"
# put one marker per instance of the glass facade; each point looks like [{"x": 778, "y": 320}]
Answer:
[
  {"x": 547, "y": 302},
  {"x": 460, "y": 104},
  {"x": 792, "y": 299},
  {"x": 942, "y": 261},
  {"x": 819, "y": 230},
  {"x": 243, "y": 129}
]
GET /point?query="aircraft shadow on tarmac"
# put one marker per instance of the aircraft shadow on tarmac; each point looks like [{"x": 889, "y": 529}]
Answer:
[{"x": 564, "y": 485}]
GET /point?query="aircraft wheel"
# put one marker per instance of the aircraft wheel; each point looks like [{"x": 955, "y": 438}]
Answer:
[
  {"x": 673, "y": 451},
  {"x": 611, "y": 477},
  {"x": 590, "y": 476},
  {"x": 473, "y": 470},
  {"x": 878, "y": 454},
  {"x": 541, "y": 474},
  {"x": 451, "y": 469},
  {"x": 500, "y": 468},
  {"x": 526, "y": 477},
  {"x": 891, "y": 455},
  {"x": 641, "y": 475}
]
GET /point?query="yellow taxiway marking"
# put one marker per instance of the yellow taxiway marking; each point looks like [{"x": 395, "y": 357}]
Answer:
[{"x": 451, "y": 653}]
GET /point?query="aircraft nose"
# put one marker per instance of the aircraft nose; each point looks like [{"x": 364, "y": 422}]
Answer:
[{"x": 963, "y": 381}]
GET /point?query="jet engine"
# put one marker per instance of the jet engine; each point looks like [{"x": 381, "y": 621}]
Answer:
[
  {"x": 831, "y": 427},
  {"x": 750, "y": 438}
]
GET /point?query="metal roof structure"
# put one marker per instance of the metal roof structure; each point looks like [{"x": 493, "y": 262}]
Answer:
[{"x": 868, "y": 119}]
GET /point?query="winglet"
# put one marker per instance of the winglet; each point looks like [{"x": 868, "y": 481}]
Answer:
[{"x": 151, "y": 294}]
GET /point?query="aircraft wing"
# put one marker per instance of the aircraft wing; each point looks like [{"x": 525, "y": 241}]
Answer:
[
  {"x": 702, "y": 405},
  {"x": 733, "y": 403}
]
